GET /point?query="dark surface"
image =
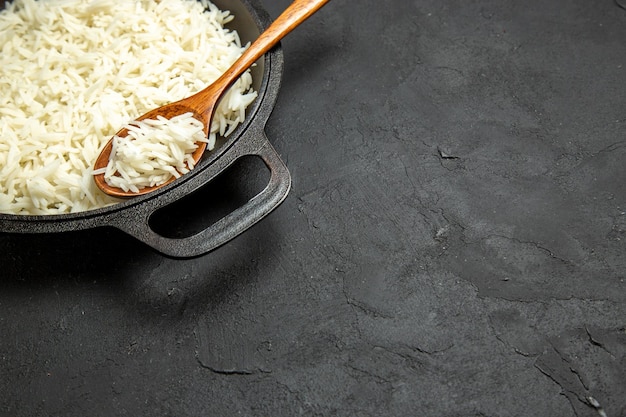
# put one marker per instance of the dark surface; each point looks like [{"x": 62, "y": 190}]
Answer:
[{"x": 453, "y": 244}]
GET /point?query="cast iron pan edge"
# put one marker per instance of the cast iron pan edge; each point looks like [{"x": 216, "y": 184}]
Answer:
[{"x": 133, "y": 216}]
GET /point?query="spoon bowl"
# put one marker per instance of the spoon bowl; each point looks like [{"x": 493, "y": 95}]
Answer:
[
  {"x": 168, "y": 111},
  {"x": 203, "y": 104}
]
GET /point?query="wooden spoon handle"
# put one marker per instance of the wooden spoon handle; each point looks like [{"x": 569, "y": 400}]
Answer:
[{"x": 290, "y": 18}]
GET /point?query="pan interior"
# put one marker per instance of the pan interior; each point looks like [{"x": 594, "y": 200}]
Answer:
[{"x": 248, "y": 27}]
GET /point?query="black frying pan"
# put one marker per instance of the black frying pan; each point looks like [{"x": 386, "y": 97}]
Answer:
[{"x": 133, "y": 216}]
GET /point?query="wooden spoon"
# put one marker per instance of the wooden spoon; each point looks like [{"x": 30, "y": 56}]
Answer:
[{"x": 204, "y": 103}]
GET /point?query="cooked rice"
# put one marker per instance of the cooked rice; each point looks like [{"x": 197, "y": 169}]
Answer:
[
  {"x": 153, "y": 152},
  {"x": 73, "y": 72}
]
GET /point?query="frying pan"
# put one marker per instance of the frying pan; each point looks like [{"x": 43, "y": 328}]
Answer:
[{"x": 249, "y": 139}]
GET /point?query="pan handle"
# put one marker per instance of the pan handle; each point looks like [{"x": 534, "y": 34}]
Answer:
[{"x": 232, "y": 224}]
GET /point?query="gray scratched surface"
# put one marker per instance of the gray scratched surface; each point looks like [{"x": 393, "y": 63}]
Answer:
[{"x": 453, "y": 244}]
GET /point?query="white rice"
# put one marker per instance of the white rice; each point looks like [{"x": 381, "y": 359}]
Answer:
[
  {"x": 73, "y": 72},
  {"x": 153, "y": 152}
]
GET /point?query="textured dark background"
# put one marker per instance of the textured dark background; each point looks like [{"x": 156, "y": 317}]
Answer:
[{"x": 453, "y": 245}]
